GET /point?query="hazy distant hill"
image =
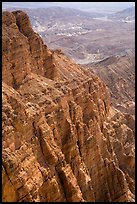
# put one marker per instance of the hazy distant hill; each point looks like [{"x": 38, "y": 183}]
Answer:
[
  {"x": 100, "y": 7},
  {"x": 59, "y": 12},
  {"x": 126, "y": 14}
]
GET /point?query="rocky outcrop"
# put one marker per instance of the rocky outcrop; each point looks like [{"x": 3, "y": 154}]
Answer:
[{"x": 57, "y": 124}]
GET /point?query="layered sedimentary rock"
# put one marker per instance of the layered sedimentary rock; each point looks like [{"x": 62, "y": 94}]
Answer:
[{"x": 61, "y": 139}]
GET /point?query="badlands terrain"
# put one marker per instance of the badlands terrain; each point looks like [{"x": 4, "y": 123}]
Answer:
[
  {"x": 85, "y": 37},
  {"x": 102, "y": 42},
  {"x": 66, "y": 135}
]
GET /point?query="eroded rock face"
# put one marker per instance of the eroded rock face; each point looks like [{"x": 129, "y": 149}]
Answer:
[{"x": 57, "y": 126}]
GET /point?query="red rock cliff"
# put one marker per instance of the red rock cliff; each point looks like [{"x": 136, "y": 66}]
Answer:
[{"x": 61, "y": 139}]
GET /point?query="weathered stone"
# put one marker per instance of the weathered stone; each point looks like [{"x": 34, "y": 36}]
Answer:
[{"x": 62, "y": 141}]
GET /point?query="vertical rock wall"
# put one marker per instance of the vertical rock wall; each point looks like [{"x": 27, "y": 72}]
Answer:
[{"x": 61, "y": 139}]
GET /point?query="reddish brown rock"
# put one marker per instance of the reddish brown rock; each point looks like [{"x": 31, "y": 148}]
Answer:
[{"x": 61, "y": 139}]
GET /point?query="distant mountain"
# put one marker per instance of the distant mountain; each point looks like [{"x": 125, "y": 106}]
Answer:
[
  {"x": 58, "y": 12},
  {"x": 100, "y": 7},
  {"x": 126, "y": 14}
]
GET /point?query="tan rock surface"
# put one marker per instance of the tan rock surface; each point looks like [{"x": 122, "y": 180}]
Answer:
[{"x": 57, "y": 126}]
